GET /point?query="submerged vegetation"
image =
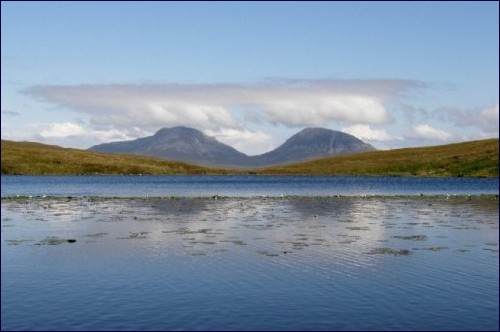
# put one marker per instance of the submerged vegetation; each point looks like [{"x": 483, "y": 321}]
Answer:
[{"x": 468, "y": 159}]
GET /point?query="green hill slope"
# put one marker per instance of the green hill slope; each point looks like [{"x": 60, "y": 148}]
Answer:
[
  {"x": 471, "y": 159},
  {"x": 23, "y": 158}
]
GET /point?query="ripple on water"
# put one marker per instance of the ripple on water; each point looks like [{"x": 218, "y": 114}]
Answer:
[{"x": 250, "y": 263}]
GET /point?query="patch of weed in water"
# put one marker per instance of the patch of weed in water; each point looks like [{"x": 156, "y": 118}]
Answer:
[
  {"x": 139, "y": 235},
  {"x": 16, "y": 242},
  {"x": 438, "y": 248},
  {"x": 96, "y": 235},
  {"x": 357, "y": 228},
  {"x": 411, "y": 237},
  {"x": 389, "y": 251},
  {"x": 54, "y": 240},
  {"x": 267, "y": 253}
]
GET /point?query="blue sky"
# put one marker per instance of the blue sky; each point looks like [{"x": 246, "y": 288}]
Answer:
[{"x": 394, "y": 74}]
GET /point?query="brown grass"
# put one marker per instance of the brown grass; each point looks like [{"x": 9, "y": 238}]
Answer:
[
  {"x": 470, "y": 159},
  {"x": 23, "y": 158}
]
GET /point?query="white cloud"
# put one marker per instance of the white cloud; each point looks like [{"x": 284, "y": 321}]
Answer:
[
  {"x": 226, "y": 111},
  {"x": 488, "y": 119},
  {"x": 76, "y": 135},
  {"x": 364, "y": 132},
  {"x": 63, "y": 129},
  {"x": 427, "y": 132},
  {"x": 483, "y": 120},
  {"x": 302, "y": 108},
  {"x": 294, "y": 103},
  {"x": 71, "y": 134},
  {"x": 246, "y": 141},
  {"x": 105, "y": 136},
  {"x": 69, "y": 129}
]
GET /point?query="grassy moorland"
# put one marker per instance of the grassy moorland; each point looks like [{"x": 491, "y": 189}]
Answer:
[
  {"x": 469, "y": 159},
  {"x": 26, "y": 158}
]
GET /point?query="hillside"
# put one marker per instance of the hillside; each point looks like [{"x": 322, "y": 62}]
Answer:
[
  {"x": 26, "y": 158},
  {"x": 470, "y": 159}
]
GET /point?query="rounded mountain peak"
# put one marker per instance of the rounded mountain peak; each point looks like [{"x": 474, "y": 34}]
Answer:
[
  {"x": 179, "y": 130},
  {"x": 312, "y": 131},
  {"x": 308, "y": 134}
]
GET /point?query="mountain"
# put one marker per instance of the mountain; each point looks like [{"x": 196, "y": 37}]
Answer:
[
  {"x": 179, "y": 143},
  {"x": 191, "y": 145},
  {"x": 313, "y": 143}
]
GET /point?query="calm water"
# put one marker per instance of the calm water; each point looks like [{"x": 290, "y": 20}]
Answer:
[
  {"x": 249, "y": 263},
  {"x": 140, "y": 186}
]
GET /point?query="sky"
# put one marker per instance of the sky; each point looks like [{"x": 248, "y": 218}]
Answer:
[{"x": 251, "y": 74}]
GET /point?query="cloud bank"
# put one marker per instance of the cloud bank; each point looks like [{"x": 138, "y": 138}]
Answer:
[
  {"x": 365, "y": 132},
  {"x": 425, "y": 131},
  {"x": 238, "y": 114},
  {"x": 227, "y": 111},
  {"x": 292, "y": 103}
]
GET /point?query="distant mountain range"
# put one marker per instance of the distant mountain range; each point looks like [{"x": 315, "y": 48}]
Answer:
[{"x": 192, "y": 146}]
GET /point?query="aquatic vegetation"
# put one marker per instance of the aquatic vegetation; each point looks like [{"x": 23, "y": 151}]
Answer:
[
  {"x": 267, "y": 253},
  {"x": 358, "y": 228},
  {"x": 139, "y": 235},
  {"x": 179, "y": 255},
  {"x": 16, "y": 242},
  {"x": 438, "y": 248},
  {"x": 96, "y": 235},
  {"x": 411, "y": 237},
  {"x": 185, "y": 230},
  {"x": 203, "y": 242},
  {"x": 389, "y": 251},
  {"x": 54, "y": 240}
]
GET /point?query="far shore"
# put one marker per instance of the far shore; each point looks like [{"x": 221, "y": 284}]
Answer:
[{"x": 467, "y": 159}]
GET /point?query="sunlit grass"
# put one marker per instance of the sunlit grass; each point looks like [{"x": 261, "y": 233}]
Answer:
[
  {"x": 471, "y": 159},
  {"x": 468, "y": 159},
  {"x": 23, "y": 158}
]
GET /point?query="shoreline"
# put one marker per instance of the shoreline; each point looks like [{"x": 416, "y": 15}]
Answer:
[{"x": 264, "y": 197}]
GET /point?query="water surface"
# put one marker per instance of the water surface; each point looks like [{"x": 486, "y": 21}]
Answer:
[
  {"x": 251, "y": 263},
  {"x": 241, "y": 186}
]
